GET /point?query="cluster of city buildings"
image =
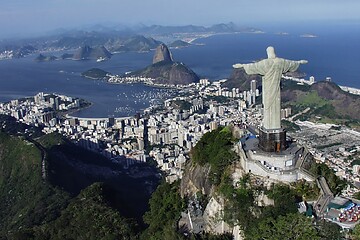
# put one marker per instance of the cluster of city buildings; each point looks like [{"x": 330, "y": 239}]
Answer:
[
  {"x": 335, "y": 146},
  {"x": 39, "y": 110},
  {"x": 6, "y": 54},
  {"x": 167, "y": 133},
  {"x": 130, "y": 79},
  {"x": 301, "y": 81}
]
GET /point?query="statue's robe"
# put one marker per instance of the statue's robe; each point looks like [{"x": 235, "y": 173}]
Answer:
[{"x": 271, "y": 69}]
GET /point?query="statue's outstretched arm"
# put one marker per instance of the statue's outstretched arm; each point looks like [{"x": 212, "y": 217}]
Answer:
[
  {"x": 238, "y": 65},
  {"x": 303, "y": 61}
]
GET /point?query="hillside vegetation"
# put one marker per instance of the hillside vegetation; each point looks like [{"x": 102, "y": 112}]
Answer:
[
  {"x": 241, "y": 198},
  {"x": 215, "y": 148},
  {"x": 35, "y": 206},
  {"x": 88, "y": 216},
  {"x": 26, "y": 199},
  {"x": 327, "y": 103}
]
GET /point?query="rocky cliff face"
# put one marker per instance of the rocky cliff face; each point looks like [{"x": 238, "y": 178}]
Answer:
[
  {"x": 196, "y": 179},
  {"x": 162, "y": 53},
  {"x": 213, "y": 215}
]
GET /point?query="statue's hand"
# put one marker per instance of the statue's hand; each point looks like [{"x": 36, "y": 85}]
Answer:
[
  {"x": 303, "y": 61},
  {"x": 238, "y": 65}
]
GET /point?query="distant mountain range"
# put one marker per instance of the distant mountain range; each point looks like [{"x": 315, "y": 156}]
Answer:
[
  {"x": 217, "y": 28},
  {"x": 119, "y": 39}
]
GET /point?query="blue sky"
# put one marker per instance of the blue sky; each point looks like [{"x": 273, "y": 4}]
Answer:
[{"x": 21, "y": 17}]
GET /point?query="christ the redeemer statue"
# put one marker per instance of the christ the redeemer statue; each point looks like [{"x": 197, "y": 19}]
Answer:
[{"x": 271, "y": 69}]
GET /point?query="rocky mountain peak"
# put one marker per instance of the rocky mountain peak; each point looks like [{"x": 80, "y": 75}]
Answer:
[{"x": 162, "y": 53}]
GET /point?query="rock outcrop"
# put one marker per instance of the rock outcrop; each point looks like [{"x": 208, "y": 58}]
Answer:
[
  {"x": 165, "y": 71},
  {"x": 86, "y": 52},
  {"x": 214, "y": 215},
  {"x": 196, "y": 179},
  {"x": 162, "y": 53}
]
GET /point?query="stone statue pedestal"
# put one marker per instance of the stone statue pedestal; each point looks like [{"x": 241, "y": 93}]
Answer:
[{"x": 272, "y": 140}]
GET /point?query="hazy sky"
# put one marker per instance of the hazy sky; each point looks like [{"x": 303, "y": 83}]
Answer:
[{"x": 21, "y": 17}]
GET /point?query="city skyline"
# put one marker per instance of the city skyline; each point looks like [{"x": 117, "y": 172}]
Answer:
[{"x": 22, "y": 18}]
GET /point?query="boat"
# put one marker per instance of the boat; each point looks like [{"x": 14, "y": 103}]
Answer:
[{"x": 100, "y": 59}]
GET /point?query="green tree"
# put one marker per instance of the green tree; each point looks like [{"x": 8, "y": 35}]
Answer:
[
  {"x": 335, "y": 183},
  {"x": 166, "y": 205},
  {"x": 88, "y": 216},
  {"x": 214, "y": 148},
  {"x": 26, "y": 199},
  {"x": 356, "y": 232},
  {"x": 357, "y": 195},
  {"x": 329, "y": 230},
  {"x": 309, "y": 191},
  {"x": 284, "y": 200},
  {"x": 291, "y": 226},
  {"x": 239, "y": 202}
]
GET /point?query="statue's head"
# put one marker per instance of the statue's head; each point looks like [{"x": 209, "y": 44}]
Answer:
[{"x": 271, "y": 52}]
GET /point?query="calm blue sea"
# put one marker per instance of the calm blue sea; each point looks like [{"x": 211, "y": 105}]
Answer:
[{"x": 333, "y": 53}]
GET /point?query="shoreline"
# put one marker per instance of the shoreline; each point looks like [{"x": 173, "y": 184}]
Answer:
[
  {"x": 351, "y": 90},
  {"x": 210, "y": 34}
]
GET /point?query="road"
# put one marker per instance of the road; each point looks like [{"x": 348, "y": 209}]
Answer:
[{"x": 326, "y": 196}]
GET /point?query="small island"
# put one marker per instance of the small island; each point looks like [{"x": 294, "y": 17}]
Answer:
[
  {"x": 308, "y": 35},
  {"x": 43, "y": 58},
  {"x": 179, "y": 44},
  {"x": 96, "y": 73}
]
